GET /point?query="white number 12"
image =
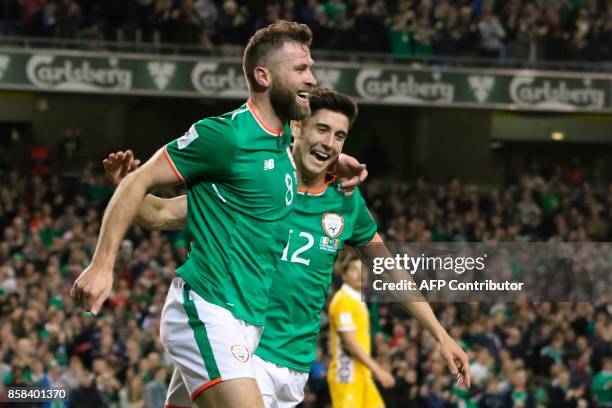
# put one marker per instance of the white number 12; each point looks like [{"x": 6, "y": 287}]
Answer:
[{"x": 295, "y": 256}]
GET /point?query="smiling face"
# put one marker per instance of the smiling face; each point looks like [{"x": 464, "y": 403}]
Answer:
[
  {"x": 319, "y": 141},
  {"x": 291, "y": 81}
]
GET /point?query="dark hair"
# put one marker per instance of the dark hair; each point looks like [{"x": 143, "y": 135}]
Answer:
[
  {"x": 348, "y": 260},
  {"x": 271, "y": 38},
  {"x": 324, "y": 98}
]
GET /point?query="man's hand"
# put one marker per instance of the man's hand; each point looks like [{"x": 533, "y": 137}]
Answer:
[
  {"x": 92, "y": 288},
  {"x": 351, "y": 173},
  {"x": 457, "y": 360},
  {"x": 94, "y": 284},
  {"x": 384, "y": 378},
  {"x": 118, "y": 165}
]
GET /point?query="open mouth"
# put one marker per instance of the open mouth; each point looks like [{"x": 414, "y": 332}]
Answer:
[
  {"x": 319, "y": 156},
  {"x": 303, "y": 95}
]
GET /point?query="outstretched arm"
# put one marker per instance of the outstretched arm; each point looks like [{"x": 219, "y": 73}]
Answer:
[
  {"x": 154, "y": 213},
  {"x": 95, "y": 283},
  {"x": 455, "y": 357}
]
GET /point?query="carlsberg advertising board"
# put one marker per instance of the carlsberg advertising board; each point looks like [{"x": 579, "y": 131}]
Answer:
[{"x": 157, "y": 75}]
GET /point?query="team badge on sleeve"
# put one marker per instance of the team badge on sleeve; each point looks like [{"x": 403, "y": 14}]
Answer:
[{"x": 333, "y": 224}]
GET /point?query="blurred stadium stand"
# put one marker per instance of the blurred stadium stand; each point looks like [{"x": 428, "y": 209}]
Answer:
[
  {"x": 476, "y": 33},
  {"x": 435, "y": 174}
]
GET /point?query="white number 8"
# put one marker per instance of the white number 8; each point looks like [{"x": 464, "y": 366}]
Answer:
[{"x": 289, "y": 184}]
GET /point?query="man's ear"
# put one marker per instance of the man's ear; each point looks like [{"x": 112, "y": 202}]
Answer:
[
  {"x": 295, "y": 127},
  {"x": 263, "y": 77}
]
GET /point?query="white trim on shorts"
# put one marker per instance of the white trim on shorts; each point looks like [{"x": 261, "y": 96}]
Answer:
[{"x": 206, "y": 343}]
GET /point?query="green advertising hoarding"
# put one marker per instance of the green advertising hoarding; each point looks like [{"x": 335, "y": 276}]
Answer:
[{"x": 92, "y": 72}]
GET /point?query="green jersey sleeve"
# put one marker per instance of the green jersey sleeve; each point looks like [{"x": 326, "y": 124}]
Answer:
[
  {"x": 205, "y": 153},
  {"x": 365, "y": 226}
]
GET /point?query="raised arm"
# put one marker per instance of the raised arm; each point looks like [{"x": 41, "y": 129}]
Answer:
[
  {"x": 95, "y": 283},
  {"x": 455, "y": 357},
  {"x": 154, "y": 213}
]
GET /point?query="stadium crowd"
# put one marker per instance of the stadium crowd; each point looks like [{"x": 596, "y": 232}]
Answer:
[
  {"x": 522, "y": 354},
  {"x": 527, "y": 30}
]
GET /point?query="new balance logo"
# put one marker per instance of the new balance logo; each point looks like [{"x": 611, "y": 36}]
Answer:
[
  {"x": 161, "y": 72},
  {"x": 268, "y": 164}
]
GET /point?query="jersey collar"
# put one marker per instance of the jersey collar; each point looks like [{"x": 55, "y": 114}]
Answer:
[
  {"x": 260, "y": 122},
  {"x": 350, "y": 291},
  {"x": 320, "y": 191}
]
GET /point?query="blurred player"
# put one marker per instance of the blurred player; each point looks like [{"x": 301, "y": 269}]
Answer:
[
  {"x": 351, "y": 368},
  {"x": 324, "y": 219}
]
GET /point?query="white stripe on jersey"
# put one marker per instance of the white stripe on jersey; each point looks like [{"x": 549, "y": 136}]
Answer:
[
  {"x": 246, "y": 108},
  {"x": 219, "y": 194}
]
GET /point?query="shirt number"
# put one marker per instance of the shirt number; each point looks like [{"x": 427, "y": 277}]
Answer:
[
  {"x": 295, "y": 257},
  {"x": 289, "y": 184}
]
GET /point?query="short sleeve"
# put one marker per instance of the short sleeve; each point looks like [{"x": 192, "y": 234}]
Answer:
[
  {"x": 342, "y": 316},
  {"x": 205, "y": 153},
  {"x": 365, "y": 227}
]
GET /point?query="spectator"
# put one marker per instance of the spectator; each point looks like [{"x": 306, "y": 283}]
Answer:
[
  {"x": 561, "y": 394},
  {"x": 29, "y": 8},
  {"x": 368, "y": 29},
  {"x": 519, "y": 395},
  {"x": 601, "y": 387},
  {"x": 289, "y": 9},
  {"x": 584, "y": 35},
  {"x": 165, "y": 19},
  {"x": 493, "y": 397},
  {"x": 156, "y": 390},
  {"x": 271, "y": 14},
  {"x": 68, "y": 19},
  {"x": 341, "y": 38},
  {"x": 189, "y": 24},
  {"x": 87, "y": 394},
  {"x": 492, "y": 35},
  {"x": 306, "y": 12},
  {"x": 334, "y": 9},
  {"x": 132, "y": 396},
  {"x": 142, "y": 14},
  {"x": 465, "y": 33},
  {"x": 10, "y": 16},
  {"x": 232, "y": 24},
  {"x": 321, "y": 28},
  {"x": 401, "y": 34},
  {"x": 424, "y": 36},
  {"x": 208, "y": 13}
]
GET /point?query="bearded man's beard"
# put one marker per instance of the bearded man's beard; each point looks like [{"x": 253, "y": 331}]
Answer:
[{"x": 284, "y": 103}]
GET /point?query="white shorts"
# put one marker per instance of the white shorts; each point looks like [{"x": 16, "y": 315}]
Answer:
[
  {"x": 281, "y": 387},
  {"x": 206, "y": 342}
]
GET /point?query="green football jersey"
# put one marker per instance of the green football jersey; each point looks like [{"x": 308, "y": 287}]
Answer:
[
  {"x": 315, "y": 232},
  {"x": 241, "y": 181}
]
